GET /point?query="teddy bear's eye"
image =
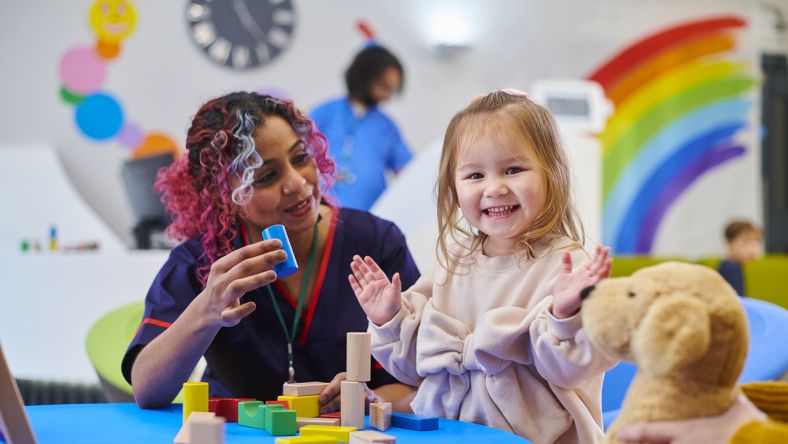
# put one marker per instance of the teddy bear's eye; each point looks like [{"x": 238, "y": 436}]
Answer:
[{"x": 631, "y": 294}]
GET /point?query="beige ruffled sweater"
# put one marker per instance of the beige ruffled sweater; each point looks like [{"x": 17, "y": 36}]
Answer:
[{"x": 485, "y": 348}]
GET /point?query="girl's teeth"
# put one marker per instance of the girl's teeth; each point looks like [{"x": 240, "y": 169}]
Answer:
[{"x": 499, "y": 210}]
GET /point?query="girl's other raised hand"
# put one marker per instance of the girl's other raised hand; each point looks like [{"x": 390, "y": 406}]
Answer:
[
  {"x": 379, "y": 298},
  {"x": 569, "y": 284}
]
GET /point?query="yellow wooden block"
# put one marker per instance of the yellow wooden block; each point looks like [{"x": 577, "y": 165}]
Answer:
[
  {"x": 305, "y": 406},
  {"x": 340, "y": 433},
  {"x": 195, "y": 398},
  {"x": 312, "y": 439}
]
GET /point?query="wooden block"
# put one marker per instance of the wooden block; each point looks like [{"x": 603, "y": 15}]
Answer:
[
  {"x": 195, "y": 398},
  {"x": 358, "y": 357},
  {"x": 280, "y": 422},
  {"x": 332, "y": 415},
  {"x": 414, "y": 422},
  {"x": 14, "y": 422},
  {"x": 353, "y": 394},
  {"x": 252, "y": 414},
  {"x": 184, "y": 434},
  {"x": 300, "y": 422},
  {"x": 314, "y": 439},
  {"x": 226, "y": 408},
  {"x": 380, "y": 415},
  {"x": 284, "y": 404},
  {"x": 303, "y": 388},
  {"x": 305, "y": 406},
  {"x": 206, "y": 430},
  {"x": 340, "y": 433},
  {"x": 370, "y": 437}
]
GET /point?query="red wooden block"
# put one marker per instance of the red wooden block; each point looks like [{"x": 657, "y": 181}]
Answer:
[
  {"x": 226, "y": 407},
  {"x": 285, "y": 404},
  {"x": 332, "y": 415}
]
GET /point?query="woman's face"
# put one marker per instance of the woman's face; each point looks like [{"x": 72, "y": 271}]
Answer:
[{"x": 286, "y": 188}]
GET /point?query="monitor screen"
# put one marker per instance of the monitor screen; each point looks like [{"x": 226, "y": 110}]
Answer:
[
  {"x": 139, "y": 175},
  {"x": 565, "y": 106}
]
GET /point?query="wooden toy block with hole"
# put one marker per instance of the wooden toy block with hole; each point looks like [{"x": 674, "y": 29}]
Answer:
[
  {"x": 280, "y": 422},
  {"x": 316, "y": 439},
  {"x": 252, "y": 414},
  {"x": 414, "y": 422},
  {"x": 227, "y": 408},
  {"x": 340, "y": 433},
  {"x": 371, "y": 437},
  {"x": 303, "y": 388},
  {"x": 305, "y": 406},
  {"x": 300, "y": 422},
  {"x": 195, "y": 398},
  {"x": 380, "y": 415},
  {"x": 353, "y": 394},
  {"x": 184, "y": 434},
  {"x": 206, "y": 430},
  {"x": 358, "y": 360}
]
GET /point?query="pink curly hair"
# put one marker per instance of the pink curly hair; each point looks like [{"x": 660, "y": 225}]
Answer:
[{"x": 197, "y": 190}]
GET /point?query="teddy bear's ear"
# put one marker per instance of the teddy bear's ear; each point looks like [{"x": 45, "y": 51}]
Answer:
[{"x": 674, "y": 332}]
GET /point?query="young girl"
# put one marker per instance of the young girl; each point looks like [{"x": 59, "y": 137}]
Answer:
[{"x": 495, "y": 336}]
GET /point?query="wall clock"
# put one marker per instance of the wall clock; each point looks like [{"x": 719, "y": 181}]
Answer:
[{"x": 241, "y": 34}]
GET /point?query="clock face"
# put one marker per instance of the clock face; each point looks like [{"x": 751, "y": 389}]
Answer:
[{"x": 241, "y": 34}]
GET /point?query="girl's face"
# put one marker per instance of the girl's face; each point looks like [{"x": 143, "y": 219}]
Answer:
[
  {"x": 500, "y": 189},
  {"x": 286, "y": 188}
]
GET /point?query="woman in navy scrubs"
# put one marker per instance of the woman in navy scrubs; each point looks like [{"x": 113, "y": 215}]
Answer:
[{"x": 254, "y": 161}]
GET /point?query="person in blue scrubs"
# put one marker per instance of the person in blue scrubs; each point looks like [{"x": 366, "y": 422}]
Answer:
[
  {"x": 254, "y": 161},
  {"x": 363, "y": 140}
]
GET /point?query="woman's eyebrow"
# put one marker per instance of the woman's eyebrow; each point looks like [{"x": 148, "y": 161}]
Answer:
[{"x": 289, "y": 150}]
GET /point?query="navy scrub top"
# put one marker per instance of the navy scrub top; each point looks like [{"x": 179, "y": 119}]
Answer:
[{"x": 250, "y": 359}]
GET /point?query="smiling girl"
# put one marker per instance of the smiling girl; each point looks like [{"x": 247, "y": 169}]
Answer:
[{"x": 495, "y": 336}]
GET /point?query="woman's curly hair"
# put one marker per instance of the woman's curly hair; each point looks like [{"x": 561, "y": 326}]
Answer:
[{"x": 197, "y": 189}]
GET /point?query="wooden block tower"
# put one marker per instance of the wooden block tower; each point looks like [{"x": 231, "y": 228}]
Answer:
[{"x": 358, "y": 372}]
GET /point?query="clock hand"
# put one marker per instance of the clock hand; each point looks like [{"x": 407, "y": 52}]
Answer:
[{"x": 243, "y": 14}]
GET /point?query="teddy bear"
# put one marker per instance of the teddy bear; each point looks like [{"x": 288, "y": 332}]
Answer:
[{"x": 686, "y": 330}]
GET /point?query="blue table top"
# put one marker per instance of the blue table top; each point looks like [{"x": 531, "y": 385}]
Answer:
[{"x": 121, "y": 423}]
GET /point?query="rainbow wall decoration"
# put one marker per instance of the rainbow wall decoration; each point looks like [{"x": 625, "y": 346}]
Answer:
[{"x": 681, "y": 102}]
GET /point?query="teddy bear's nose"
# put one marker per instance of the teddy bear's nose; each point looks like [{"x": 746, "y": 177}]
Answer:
[{"x": 584, "y": 293}]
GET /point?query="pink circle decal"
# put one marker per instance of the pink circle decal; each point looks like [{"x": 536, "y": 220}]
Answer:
[{"x": 82, "y": 70}]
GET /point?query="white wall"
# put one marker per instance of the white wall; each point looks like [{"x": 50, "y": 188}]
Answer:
[{"x": 161, "y": 78}]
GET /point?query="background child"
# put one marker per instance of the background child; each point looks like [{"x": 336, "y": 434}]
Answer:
[
  {"x": 494, "y": 336},
  {"x": 743, "y": 244}
]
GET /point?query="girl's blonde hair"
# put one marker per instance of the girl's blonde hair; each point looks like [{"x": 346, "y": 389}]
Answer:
[{"x": 520, "y": 119}]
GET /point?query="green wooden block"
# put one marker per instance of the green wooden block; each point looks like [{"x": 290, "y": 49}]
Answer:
[
  {"x": 252, "y": 414},
  {"x": 280, "y": 422}
]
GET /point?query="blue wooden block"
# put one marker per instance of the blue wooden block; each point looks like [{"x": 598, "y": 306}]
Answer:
[{"x": 413, "y": 422}]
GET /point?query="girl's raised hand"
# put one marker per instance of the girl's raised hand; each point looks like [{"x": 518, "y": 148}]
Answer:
[
  {"x": 379, "y": 298},
  {"x": 569, "y": 284},
  {"x": 234, "y": 275}
]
